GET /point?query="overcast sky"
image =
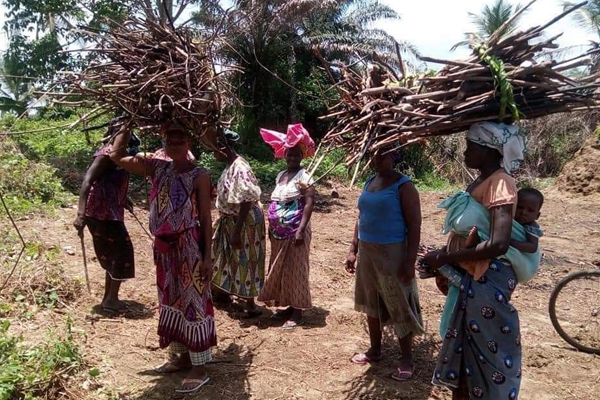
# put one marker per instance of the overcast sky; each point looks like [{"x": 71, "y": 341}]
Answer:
[{"x": 435, "y": 25}]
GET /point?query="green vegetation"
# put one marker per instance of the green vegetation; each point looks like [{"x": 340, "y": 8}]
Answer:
[
  {"x": 35, "y": 372},
  {"x": 431, "y": 182},
  {"x": 28, "y": 185}
]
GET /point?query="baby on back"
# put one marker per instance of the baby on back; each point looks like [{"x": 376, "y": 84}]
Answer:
[{"x": 529, "y": 204}]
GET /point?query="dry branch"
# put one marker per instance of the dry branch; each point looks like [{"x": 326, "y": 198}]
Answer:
[{"x": 379, "y": 111}]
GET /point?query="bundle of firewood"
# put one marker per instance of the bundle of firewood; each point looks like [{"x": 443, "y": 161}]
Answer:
[
  {"x": 151, "y": 74},
  {"x": 505, "y": 80}
]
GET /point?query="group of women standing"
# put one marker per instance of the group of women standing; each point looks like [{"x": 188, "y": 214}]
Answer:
[
  {"x": 191, "y": 257},
  {"x": 480, "y": 357}
]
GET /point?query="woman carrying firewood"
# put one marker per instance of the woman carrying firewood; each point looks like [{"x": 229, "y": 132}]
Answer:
[
  {"x": 239, "y": 241},
  {"x": 181, "y": 223},
  {"x": 289, "y": 213},
  {"x": 481, "y": 353},
  {"x": 386, "y": 239},
  {"x": 102, "y": 203}
]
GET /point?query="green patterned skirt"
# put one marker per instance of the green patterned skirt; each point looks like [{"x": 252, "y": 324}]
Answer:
[{"x": 240, "y": 272}]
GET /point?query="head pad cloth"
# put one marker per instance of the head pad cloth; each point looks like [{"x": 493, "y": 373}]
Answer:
[
  {"x": 507, "y": 139},
  {"x": 296, "y": 135}
]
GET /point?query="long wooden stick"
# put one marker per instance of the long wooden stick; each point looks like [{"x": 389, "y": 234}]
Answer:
[
  {"x": 85, "y": 268},
  {"x": 12, "y": 221}
]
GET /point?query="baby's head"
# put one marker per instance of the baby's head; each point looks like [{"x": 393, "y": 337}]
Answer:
[{"x": 529, "y": 205}]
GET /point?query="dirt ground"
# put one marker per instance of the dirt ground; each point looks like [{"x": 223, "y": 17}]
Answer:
[
  {"x": 257, "y": 360},
  {"x": 580, "y": 175}
]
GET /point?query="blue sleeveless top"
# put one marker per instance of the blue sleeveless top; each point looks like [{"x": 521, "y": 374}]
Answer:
[{"x": 381, "y": 219}]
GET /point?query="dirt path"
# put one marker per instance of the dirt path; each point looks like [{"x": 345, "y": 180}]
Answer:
[{"x": 256, "y": 360}]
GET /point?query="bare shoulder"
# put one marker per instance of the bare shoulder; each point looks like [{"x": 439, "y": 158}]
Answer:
[{"x": 408, "y": 189}]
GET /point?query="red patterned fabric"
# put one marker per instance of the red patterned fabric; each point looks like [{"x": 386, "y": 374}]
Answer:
[
  {"x": 108, "y": 195},
  {"x": 186, "y": 312}
]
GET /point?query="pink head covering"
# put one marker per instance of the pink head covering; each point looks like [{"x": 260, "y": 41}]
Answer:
[{"x": 296, "y": 135}]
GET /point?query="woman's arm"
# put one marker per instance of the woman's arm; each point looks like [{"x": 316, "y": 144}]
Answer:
[
  {"x": 529, "y": 246},
  {"x": 307, "y": 213},
  {"x": 496, "y": 246},
  {"x": 203, "y": 190},
  {"x": 236, "y": 236},
  {"x": 351, "y": 259},
  {"x": 136, "y": 165},
  {"x": 98, "y": 167},
  {"x": 411, "y": 207}
]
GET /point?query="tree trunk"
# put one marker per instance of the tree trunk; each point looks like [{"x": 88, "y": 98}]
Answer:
[{"x": 293, "y": 110}]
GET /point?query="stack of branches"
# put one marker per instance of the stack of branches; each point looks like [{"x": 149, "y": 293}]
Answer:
[
  {"x": 502, "y": 81},
  {"x": 151, "y": 73}
]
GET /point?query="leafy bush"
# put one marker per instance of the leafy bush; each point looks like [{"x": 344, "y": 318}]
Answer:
[
  {"x": 29, "y": 372},
  {"x": 68, "y": 150},
  {"x": 29, "y": 186},
  {"x": 554, "y": 140}
]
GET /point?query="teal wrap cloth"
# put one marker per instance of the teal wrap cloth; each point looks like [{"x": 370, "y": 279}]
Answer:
[{"x": 463, "y": 212}]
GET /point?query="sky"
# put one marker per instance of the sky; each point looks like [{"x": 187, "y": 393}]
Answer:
[{"x": 434, "y": 26}]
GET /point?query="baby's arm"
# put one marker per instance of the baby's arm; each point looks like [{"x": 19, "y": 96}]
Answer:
[{"x": 529, "y": 246}]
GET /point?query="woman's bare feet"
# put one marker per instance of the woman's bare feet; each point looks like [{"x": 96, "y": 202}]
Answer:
[
  {"x": 194, "y": 380},
  {"x": 175, "y": 364}
]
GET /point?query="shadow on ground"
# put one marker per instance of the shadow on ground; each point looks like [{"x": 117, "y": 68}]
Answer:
[
  {"x": 316, "y": 317},
  {"x": 229, "y": 372},
  {"x": 376, "y": 382}
]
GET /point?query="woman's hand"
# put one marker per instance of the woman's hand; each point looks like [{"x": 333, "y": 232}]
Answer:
[
  {"x": 406, "y": 273},
  {"x": 206, "y": 273},
  {"x": 351, "y": 263},
  {"x": 79, "y": 224},
  {"x": 436, "y": 259},
  {"x": 236, "y": 240},
  {"x": 299, "y": 237}
]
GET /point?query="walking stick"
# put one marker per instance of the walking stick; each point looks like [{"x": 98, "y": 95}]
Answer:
[
  {"x": 142, "y": 225},
  {"x": 85, "y": 268}
]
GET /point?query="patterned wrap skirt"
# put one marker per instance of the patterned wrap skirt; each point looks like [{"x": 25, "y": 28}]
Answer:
[
  {"x": 289, "y": 267},
  {"x": 186, "y": 313},
  {"x": 483, "y": 340},
  {"x": 380, "y": 294},
  {"x": 113, "y": 247},
  {"x": 240, "y": 272}
]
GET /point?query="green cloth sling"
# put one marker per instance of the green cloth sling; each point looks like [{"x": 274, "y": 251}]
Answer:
[{"x": 463, "y": 212}]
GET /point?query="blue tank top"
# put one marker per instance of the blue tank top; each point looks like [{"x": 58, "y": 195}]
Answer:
[{"x": 381, "y": 219}]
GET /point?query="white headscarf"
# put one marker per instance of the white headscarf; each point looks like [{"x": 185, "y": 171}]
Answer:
[{"x": 507, "y": 139}]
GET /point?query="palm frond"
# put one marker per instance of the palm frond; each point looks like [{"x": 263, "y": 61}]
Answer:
[
  {"x": 492, "y": 17},
  {"x": 587, "y": 17},
  {"x": 371, "y": 12}
]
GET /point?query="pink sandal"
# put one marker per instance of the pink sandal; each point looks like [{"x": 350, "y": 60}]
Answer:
[{"x": 402, "y": 376}]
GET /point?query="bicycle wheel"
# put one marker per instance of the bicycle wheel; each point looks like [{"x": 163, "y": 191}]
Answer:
[{"x": 575, "y": 310}]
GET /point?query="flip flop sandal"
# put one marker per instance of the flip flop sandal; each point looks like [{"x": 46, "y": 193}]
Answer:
[
  {"x": 363, "y": 359},
  {"x": 198, "y": 382},
  {"x": 401, "y": 375},
  {"x": 290, "y": 325}
]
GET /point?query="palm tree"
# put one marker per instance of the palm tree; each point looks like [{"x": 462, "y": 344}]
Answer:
[
  {"x": 13, "y": 88},
  {"x": 587, "y": 17},
  {"x": 490, "y": 20},
  {"x": 493, "y": 17},
  {"x": 273, "y": 42}
]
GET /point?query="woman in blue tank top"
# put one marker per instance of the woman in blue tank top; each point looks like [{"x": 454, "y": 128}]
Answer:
[{"x": 386, "y": 239}]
